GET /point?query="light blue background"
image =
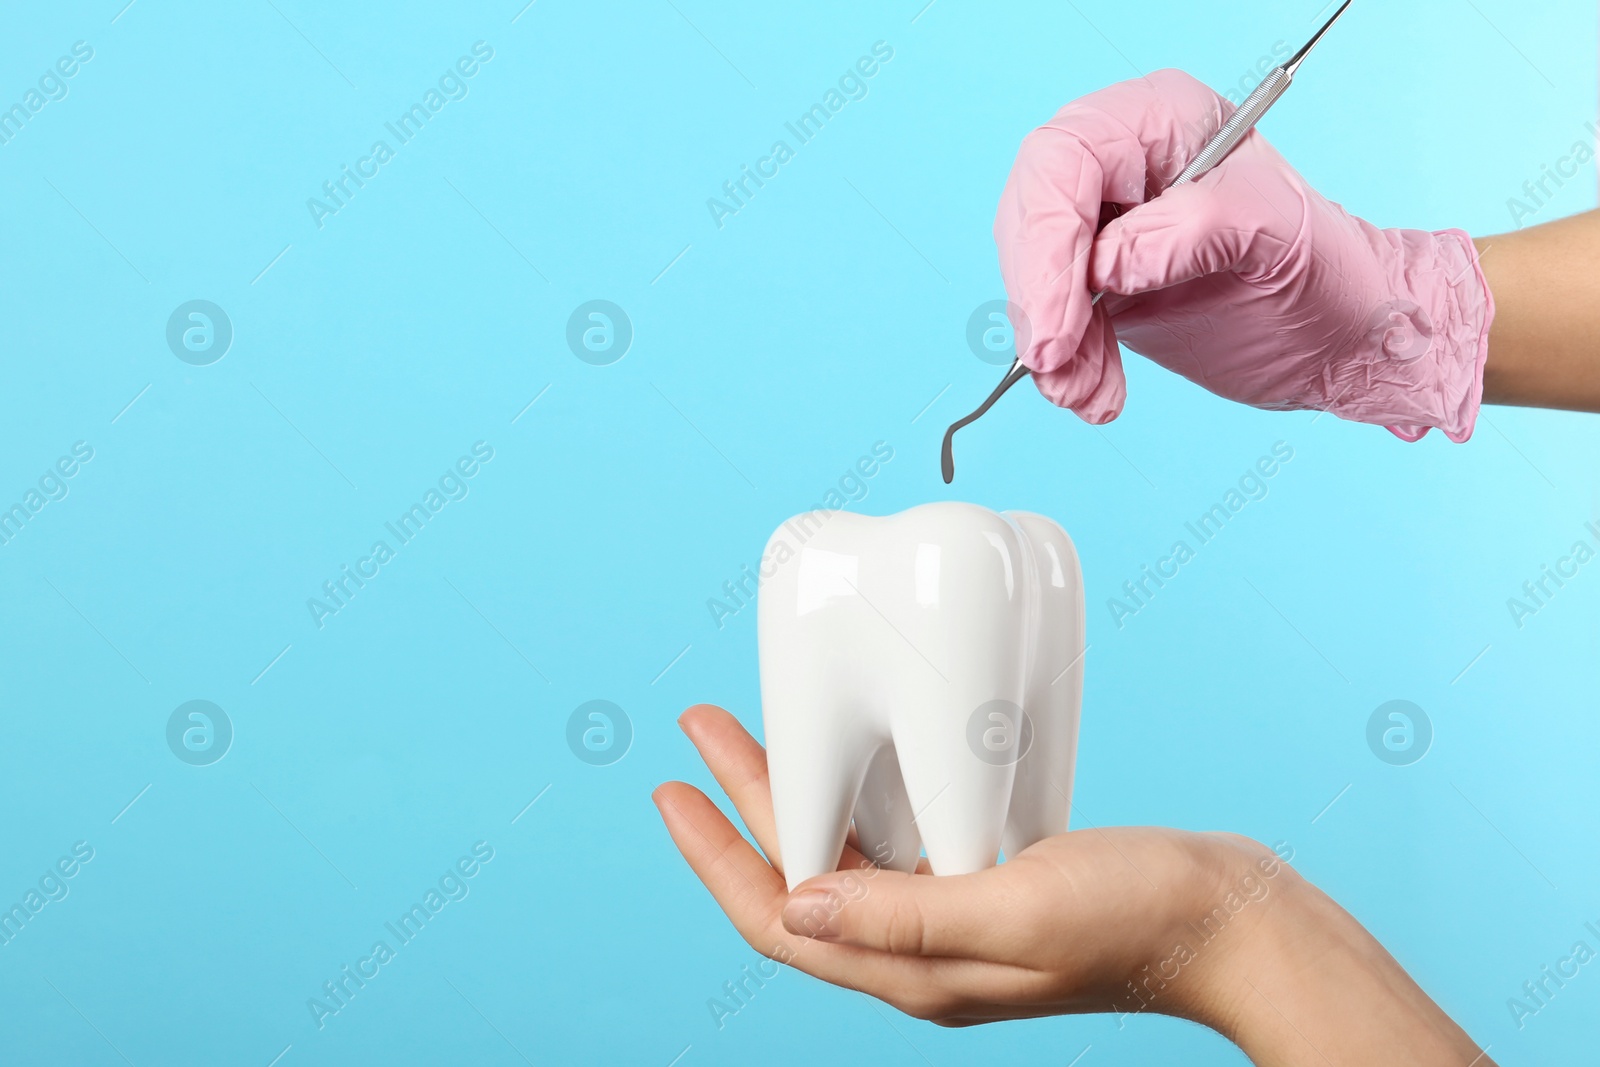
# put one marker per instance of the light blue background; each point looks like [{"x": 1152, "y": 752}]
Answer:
[{"x": 769, "y": 354}]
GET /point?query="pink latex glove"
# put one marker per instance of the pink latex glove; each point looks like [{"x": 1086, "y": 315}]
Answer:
[{"x": 1247, "y": 282}]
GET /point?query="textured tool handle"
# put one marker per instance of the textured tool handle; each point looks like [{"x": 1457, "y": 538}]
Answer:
[{"x": 1236, "y": 128}]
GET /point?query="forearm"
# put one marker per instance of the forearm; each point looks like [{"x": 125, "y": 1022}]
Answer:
[
  {"x": 1313, "y": 987},
  {"x": 1544, "y": 344}
]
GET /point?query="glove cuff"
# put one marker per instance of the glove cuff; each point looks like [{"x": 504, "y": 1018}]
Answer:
[{"x": 1447, "y": 385}]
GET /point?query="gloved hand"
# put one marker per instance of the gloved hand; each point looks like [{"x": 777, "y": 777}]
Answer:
[{"x": 1247, "y": 282}]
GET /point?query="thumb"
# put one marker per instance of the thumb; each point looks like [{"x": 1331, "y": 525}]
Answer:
[
  {"x": 1183, "y": 234},
  {"x": 903, "y": 914}
]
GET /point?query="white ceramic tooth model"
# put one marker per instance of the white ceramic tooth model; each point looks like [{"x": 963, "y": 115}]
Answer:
[{"x": 895, "y": 654}]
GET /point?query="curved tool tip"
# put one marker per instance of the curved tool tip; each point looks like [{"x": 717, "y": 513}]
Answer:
[{"x": 947, "y": 459}]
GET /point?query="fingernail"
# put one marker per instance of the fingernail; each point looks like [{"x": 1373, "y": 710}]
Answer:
[{"x": 809, "y": 913}]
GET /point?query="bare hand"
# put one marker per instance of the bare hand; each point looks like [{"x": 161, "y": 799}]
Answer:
[{"x": 1207, "y": 926}]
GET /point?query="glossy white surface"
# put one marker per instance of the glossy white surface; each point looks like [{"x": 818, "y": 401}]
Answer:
[{"x": 894, "y": 655}]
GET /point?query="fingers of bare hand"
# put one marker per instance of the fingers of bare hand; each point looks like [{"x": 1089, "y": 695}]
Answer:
[
  {"x": 975, "y": 916},
  {"x": 739, "y": 764},
  {"x": 752, "y": 895}
]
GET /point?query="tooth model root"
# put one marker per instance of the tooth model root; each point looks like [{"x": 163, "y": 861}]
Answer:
[
  {"x": 897, "y": 655},
  {"x": 885, "y": 829},
  {"x": 818, "y": 776},
  {"x": 1041, "y": 797},
  {"x": 959, "y": 800}
]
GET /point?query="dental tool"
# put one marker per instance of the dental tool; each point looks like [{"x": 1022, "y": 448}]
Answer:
[{"x": 1215, "y": 151}]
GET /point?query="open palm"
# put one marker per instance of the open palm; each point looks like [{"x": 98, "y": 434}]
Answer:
[{"x": 1121, "y": 919}]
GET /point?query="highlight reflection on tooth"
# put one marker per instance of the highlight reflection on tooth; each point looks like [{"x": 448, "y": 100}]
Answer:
[{"x": 922, "y": 674}]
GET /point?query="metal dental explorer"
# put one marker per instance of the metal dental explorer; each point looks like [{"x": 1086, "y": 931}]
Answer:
[{"x": 1215, "y": 151}]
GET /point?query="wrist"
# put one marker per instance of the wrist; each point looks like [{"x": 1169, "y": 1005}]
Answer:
[
  {"x": 1195, "y": 944},
  {"x": 1307, "y": 984},
  {"x": 1233, "y": 925}
]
